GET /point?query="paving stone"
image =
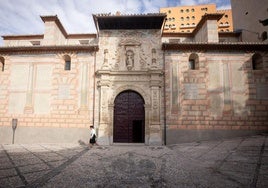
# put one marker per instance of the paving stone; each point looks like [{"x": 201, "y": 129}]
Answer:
[
  {"x": 35, "y": 175},
  {"x": 8, "y": 172},
  {"x": 33, "y": 168},
  {"x": 221, "y": 164},
  {"x": 5, "y": 163},
  {"x": 11, "y": 182},
  {"x": 237, "y": 166}
]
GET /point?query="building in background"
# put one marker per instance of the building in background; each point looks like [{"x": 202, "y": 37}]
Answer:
[
  {"x": 132, "y": 82},
  {"x": 184, "y": 19},
  {"x": 251, "y": 18}
]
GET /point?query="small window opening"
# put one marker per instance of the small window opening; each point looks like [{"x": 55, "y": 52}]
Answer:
[
  {"x": 193, "y": 62},
  {"x": 257, "y": 62},
  {"x": 264, "y": 36},
  {"x": 67, "y": 65},
  {"x": 2, "y": 64}
]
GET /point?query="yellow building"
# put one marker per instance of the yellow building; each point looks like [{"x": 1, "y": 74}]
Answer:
[{"x": 184, "y": 19}]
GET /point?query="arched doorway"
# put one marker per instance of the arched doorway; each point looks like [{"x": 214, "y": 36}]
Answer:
[{"x": 129, "y": 118}]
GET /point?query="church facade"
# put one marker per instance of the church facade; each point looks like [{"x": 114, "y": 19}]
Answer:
[{"x": 132, "y": 82}]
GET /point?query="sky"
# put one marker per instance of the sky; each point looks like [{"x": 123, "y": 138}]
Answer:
[{"x": 20, "y": 17}]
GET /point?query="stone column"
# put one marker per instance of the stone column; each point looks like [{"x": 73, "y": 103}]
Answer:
[
  {"x": 29, "y": 94},
  {"x": 226, "y": 90},
  {"x": 103, "y": 129},
  {"x": 147, "y": 109},
  {"x": 155, "y": 135},
  {"x": 84, "y": 88}
]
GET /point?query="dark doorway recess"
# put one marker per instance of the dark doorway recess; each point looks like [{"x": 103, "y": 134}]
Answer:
[{"x": 129, "y": 118}]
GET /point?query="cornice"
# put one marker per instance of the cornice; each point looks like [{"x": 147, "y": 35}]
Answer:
[
  {"x": 48, "y": 49},
  {"x": 23, "y": 37},
  {"x": 238, "y": 46}
]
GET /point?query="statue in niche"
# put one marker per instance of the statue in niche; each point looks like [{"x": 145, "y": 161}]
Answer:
[
  {"x": 105, "y": 61},
  {"x": 129, "y": 59},
  {"x": 154, "y": 65}
]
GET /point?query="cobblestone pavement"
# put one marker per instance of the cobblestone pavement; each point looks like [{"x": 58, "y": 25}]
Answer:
[{"x": 239, "y": 162}]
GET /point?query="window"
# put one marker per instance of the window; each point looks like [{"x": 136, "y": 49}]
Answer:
[
  {"x": 182, "y": 24},
  {"x": 173, "y": 19},
  {"x": 193, "y": 23},
  {"x": 174, "y": 41},
  {"x": 169, "y": 19},
  {"x": 221, "y": 23},
  {"x": 67, "y": 65},
  {"x": 193, "y": 17},
  {"x": 182, "y": 18},
  {"x": 187, "y": 18},
  {"x": 227, "y": 30},
  {"x": 192, "y": 9},
  {"x": 188, "y": 31},
  {"x": 264, "y": 36},
  {"x": 226, "y": 23},
  {"x": 187, "y": 10},
  {"x": 84, "y": 42},
  {"x": 2, "y": 64},
  {"x": 226, "y": 16},
  {"x": 257, "y": 62},
  {"x": 35, "y": 43},
  {"x": 193, "y": 61},
  {"x": 169, "y": 11},
  {"x": 181, "y": 10},
  {"x": 204, "y": 9}
]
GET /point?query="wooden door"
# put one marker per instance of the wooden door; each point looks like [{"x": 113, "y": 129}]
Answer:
[{"x": 129, "y": 118}]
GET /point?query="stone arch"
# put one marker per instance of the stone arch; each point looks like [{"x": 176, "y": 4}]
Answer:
[
  {"x": 137, "y": 89},
  {"x": 147, "y": 105},
  {"x": 193, "y": 61},
  {"x": 67, "y": 64}
]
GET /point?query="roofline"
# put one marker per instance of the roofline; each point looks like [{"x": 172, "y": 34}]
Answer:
[
  {"x": 16, "y": 37},
  {"x": 48, "y": 49},
  {"x": 128, "y": 15},
  {"x": 80, "y": 35},
  {"x": 111, "y": 16},
  {"x": 205, "y": 17},
  {"x": 190, "y": 6},
  {"x": 57, "y": 21},
  {"x": 225, "y": 46},
  {"x": 41, "y": 36}
]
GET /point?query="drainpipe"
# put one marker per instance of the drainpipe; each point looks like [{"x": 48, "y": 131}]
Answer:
[{"x": 165, "y": 119}]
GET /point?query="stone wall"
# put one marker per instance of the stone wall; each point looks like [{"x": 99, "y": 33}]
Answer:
[
  {"x": 224, "y": 93},
  {"x": 38, "y": 92}
]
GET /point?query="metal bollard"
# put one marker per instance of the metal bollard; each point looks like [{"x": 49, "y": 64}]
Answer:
[{"x": 14, "y": 126}]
